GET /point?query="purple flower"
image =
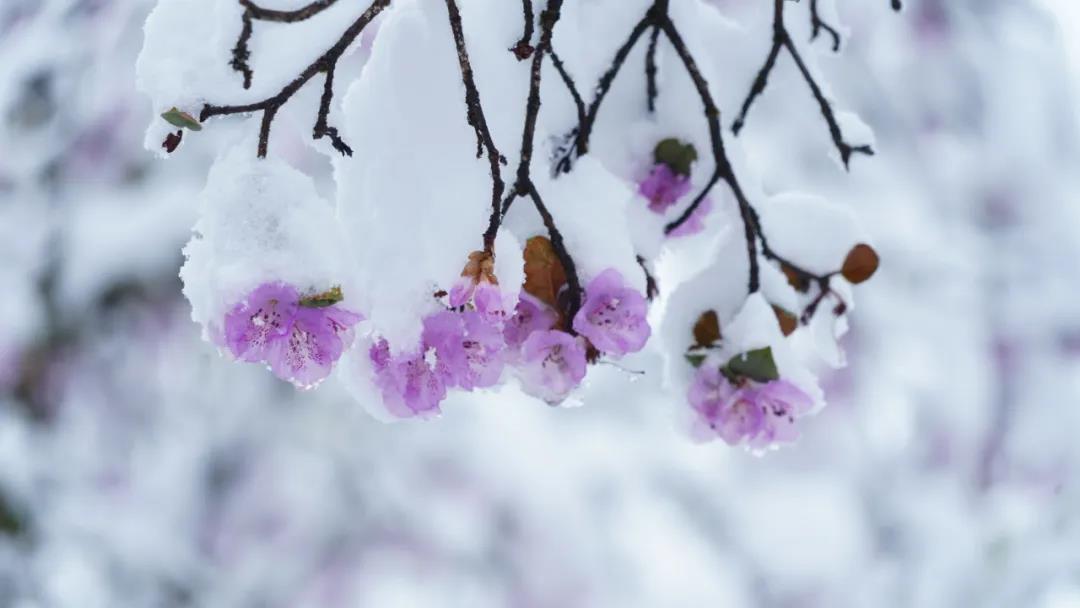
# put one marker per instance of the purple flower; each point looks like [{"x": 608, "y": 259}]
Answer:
[
  {"x": 613, "y": 315},
  {"x": 758, "y": 415},
  {"x": 488, "y": 301},
  {"x": 663, "y": 187},
  {"x": 696, "y": 222},
  {"x": 781, "y": 402},
  {"x": 264, "y": 317},
  {"x": 462, "y": 292},
  {"x": 530, "y": 315},
  {"x": 315, "y": 343},
  {"x": 410, "y": 386},
  {"x": 552, "y": 365},
  {"x": 470, "y": 349},
  {"x": 299, "y": 343},
  {"x": 729, "y": 411}
]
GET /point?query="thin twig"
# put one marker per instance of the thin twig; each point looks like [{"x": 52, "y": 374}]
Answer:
[
  {"x": 817, "y": 24},
  {"x": 782, "y": 40},
  {"x": 651, "y": 92},
  {"x": 723, "y": 169},
  {"x": 524, "y": 186},
  {"x": 252, "y": 11},
  {"x": 523, "y": 49},
  {"x": 476, "y": 119},
  {"x": 324, "y": 64}
]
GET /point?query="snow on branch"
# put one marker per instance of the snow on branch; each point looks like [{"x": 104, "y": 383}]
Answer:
[{"x": 324, "y": 64}]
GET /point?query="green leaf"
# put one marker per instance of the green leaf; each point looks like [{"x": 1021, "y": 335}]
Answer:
[
  {"x": 323, "y": 300},
  {"x": 676, "y": 155},
  {"x": 757, "y": 365},
  {"x": 178, "y": 118},
  {"x": 695, "y": 360}
]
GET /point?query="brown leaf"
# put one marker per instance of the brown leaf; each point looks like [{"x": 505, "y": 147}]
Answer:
[
  {"x": 172, "y": 141},
  {"x": 480, "y": 268},
  {"x": 707, "y": 329},
  {"x": 861, "y": 264},
  {"x": 788, "y": 322},
  {"x": 544, "y": 273},
  {"x": 795, "y": 279}
]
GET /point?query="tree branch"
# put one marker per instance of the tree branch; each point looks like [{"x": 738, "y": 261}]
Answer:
[
  {"x": 325, "y": 64},
  {"x": 817, "y": 24},
  {"x": 523, "y": 49},
  {"x": 584, "y": 129},
  {"x": 241, "y": 54},
  {"x": 723, "y": 169},
  {"x": 476, "y": 119},
  {"x": 651, "y": 92},
  {"x": 782, "y": 39},
  {"x": 524, "y": 186}
]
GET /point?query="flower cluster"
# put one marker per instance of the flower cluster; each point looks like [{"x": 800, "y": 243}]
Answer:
[
  {"x": 470, "y": 344},
  {"x": 299, "y": 338},
  {"x": 668, "y": 181},
  {"x": 744, "y": 411}
]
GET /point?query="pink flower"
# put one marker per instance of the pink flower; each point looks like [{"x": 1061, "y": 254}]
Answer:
[
  {"x": 265, "y": 316},
  {"x": 552, "y": 365},
  {"x": 469, "y": 347},
  {"x": 488, "y": 301},
  {"x": 299, "y": 343},
  {"x": 663, "y": 187},
  {"x": 530, "y": 315},
  {"x": 315, "y": 343},
  {"x": 728, "y": 411},
  {"x": 410, "y": 386},
  {"x": 613, "y": 315},
  {"x": 781, "y": 403},
  {"x": 696, "y": 222},
  {"x": 462, "y": 292},
  {"x": 759, "y": 415}
]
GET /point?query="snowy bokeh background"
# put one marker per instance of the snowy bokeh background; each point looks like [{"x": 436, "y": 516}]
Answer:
[{"x": 140, "y": 468}]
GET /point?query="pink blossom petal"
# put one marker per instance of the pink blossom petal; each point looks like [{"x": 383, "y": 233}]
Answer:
[
  {"x": 696, "y": 222},
  {"x": 613, "y": 315},
  {"x": 553, "y": 364},
  {"x": 663, "y": 187},
  {"x": 263, "y": 318}
]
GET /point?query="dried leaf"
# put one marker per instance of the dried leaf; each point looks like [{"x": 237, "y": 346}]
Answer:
[
  {"x": 172, "y": 141},
  {"x": 707, "y": 329},
  {"x": 788, "y": 322},
  {"x": 323, "y": 300},
  {"x": 179, "y": 118},
  {"x": 480, "y": 268},
  {"x": 795, "y": 279},
  {"x": 861, "y": 264},
  {"x": 544, "y": 273}
]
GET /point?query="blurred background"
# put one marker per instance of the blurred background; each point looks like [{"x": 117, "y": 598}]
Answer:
[{"x": 139, "y": 468}]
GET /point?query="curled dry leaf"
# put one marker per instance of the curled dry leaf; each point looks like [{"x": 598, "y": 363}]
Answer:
[
  {"x": 324, "y": 299},
  {"x": 861, "y": 264},
  {"x": 480, "y": 268},
  {"x": 172, "y": 141},
  {"x": 788, "y": 322},
  {"x": 544, "y": 273},
  {"x": 707, "y": 329},
  {"x": 796, "y": 279}
]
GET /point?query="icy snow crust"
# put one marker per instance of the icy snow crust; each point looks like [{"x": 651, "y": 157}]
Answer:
[{"x": 413, "y": 200}]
